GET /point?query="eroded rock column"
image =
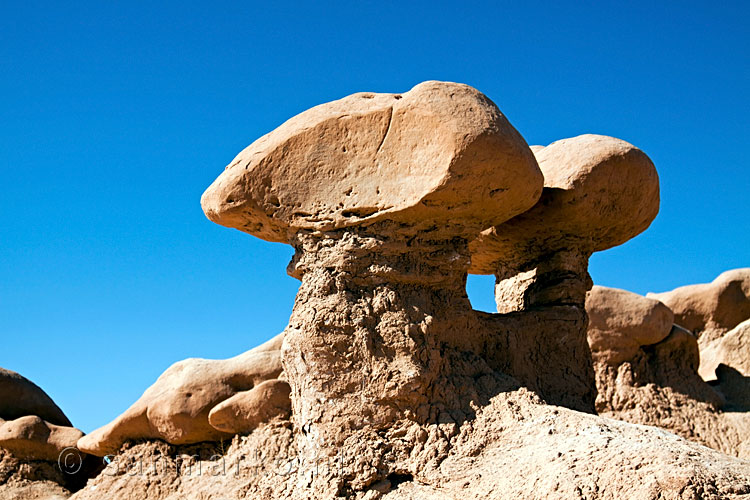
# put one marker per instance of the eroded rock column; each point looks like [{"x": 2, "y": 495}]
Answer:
[{"x": 366, "y": 343}]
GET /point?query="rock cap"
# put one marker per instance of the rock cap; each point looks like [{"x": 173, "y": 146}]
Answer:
[
  {"x": 440, "y": 156},
  {"x": 598, "y": 193}
]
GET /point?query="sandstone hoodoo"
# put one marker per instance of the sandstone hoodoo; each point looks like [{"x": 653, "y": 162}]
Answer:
[
  {"x": 599, "y": 192},
  {"x": 647, "y": 373},
  {"x": 710, "y": 310},
  {"x": 177, "y": 407},
  {"x": 379, "y": 195}
]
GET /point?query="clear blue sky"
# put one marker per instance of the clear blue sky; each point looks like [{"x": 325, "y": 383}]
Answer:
[{"x": 114, "y": 117}]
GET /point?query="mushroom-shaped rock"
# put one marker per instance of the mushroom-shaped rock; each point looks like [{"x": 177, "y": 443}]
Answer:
[
  {"x": 411, "y": 158},
  {"x": 710, "y": 310},
  {"x": 621, "y": 322},
  {"x": 243, "y": 412},
  {"x": 20, "y": 397},
  {"x": 32, "y": 438},
  {"x": 380, "y": 194},
  {"x": 177, "y": 406},
  {"x": 598, "y": 192}
]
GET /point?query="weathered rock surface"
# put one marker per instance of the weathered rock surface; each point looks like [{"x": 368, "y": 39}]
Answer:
[
  {"x": 409, "y": 158},
  {"x": 177, "y": 406},
  {"x": 32, "y": 438},
  {"x": 733, "y": 349},
  {"x": 31, "y": 446},
  {"x": 243, "y": 412},
  {"x": 515, "y": 447},
  {"x": 20, "y": 397},
  {"x": 710, "y": 310},
  {"x": 646, "y": 373},
  {"x": 30, "y": 480},
  {"x": 621, "y": 322},
  {"x": 599, "y": 192}
]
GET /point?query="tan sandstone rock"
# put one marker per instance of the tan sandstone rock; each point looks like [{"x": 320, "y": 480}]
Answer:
[
  {"x": 23, "y": 479},
  {"x": 243, "y": 412},
  {"x": 710, "y": 310},
  {"x": 718, "y": 306},
  {"x": 646, "y": 373},
  {"x": 732, "y": 360},
  {"x": 32, "y": 438},
  {"x": 598, "y": 193},
  {"x": 621, "y": 322},
  {"x": 177, "y": 406},
  {"x": 20, "y": 397},
  {"x": 733, "y": 349},
  {"x": 379, "y": 195},
  {"x": 408, "y": 158}
]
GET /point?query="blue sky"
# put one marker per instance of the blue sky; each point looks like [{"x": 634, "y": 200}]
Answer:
[{"x": 115, "y": 116}]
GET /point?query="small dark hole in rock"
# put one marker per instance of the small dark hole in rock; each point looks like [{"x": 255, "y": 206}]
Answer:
[{"x": 396, "y": 479}]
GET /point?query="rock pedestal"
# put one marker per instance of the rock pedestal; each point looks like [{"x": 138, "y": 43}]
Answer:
[{"x": 371, "y": 344}]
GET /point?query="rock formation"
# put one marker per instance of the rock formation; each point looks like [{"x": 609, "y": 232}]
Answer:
[
  {"x": 244, "y": 411},
  {"x": 386, "y": 384},
  {"x": 647, "y": 373},
  {"x": 177, "y": 407},
  {"x": 733, "y": 349},
  {"x": 20, "y": 397},
  {"x": 710, "y": 310},
  {"x": 514, "y": 447},
  {"x": 598, "y": 193},
  {"x": 381, "y": 195},
  {"x": 34, "y": 438}
]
